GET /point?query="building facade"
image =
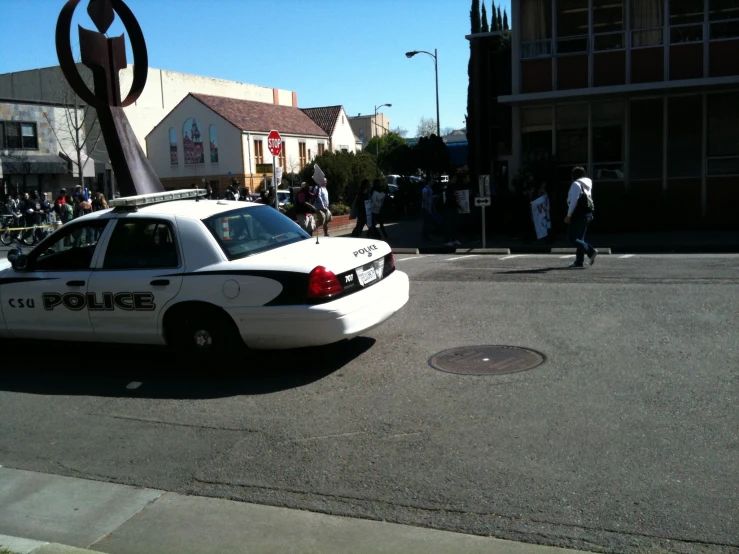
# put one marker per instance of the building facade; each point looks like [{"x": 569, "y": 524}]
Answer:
[
  {"x": 214, "y": 139},
  {"x": 333, "y": 120},
  {"x": 164, "y": 90},
  {"x": 366, "y": 127},
  {"x": 643, "y": 93},
  {"x": 39, "y": 148}
]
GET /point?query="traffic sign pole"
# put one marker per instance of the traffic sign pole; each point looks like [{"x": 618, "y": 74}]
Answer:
[
  {"x": 274, "y": 144},
  {"x": 483, "y": 228}
]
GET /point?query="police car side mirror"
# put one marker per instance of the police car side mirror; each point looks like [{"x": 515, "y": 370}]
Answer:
[{"x": 17, "y": 259}]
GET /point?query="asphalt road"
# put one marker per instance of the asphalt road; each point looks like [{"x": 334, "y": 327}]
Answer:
[{"x": 625, "y": 440}]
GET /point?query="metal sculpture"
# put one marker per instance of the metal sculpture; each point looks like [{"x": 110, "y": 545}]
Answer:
[{"x": 106, "y": 57}]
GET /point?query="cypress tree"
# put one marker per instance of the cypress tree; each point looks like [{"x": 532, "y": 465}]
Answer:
[
  {"x": 493, "y": 21},
  {"x": 499, "y": 23},
  {"x": 475, "y": 16},
  {"x": 484, "y": 27},
  {"x": 505, "y": 21}
]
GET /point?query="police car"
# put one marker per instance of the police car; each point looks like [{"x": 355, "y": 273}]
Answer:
[{"x": 198, "y": 275}]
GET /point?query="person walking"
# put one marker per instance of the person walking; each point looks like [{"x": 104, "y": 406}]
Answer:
[
  {"x": 323, "y": 214},
  {"x": 304, "y": 209},
  {"x": 379, "y": 199},
  {"x": 427, "y": 208},
  {"x": 359, "y": 208},
  {"x": 580, "y": 209}
]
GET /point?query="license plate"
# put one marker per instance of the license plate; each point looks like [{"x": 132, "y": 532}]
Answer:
[{"x": 366, "y": 276}]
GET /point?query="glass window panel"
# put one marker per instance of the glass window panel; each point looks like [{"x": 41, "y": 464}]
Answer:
[
  {"x": 723, "y": 9},
  {"x": 572, "y": 18},
  {"x": 572, "y": 46},
  {"x": 686, "y": 33},
  {"x": 610, "y": 41},
  {"x": 537, "y": 142},
  {"x": 723, "y": 166},
  {"x": 686, "y": 11},
  {"x": 536, "y": 117},
  {"x": 727, "y": 29},
  {"x": 640, "y": 39},
  {"x": 608, "y": 137},
  {"x": 685, "y": 135},
  {"x": 572, "y": 116},
  {"x": 646, "y": 139},
  {"x": 28, "y": 136},
  {"x": 13, "y": 135},
  {"x": 2, "y": 135},
  {"x": 723, "y": 124},
  {"x": 608, "y": 16},
  {"x": 536, "y": 20},
  {"x": 647, "y": 14}
]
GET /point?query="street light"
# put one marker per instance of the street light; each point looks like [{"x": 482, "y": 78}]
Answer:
[
  {"x": 377, "y": 145},
  {"x": 435, "y": 55}
]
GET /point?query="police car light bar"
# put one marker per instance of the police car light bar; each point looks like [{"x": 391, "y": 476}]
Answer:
[{"x": 156, "y": 198}]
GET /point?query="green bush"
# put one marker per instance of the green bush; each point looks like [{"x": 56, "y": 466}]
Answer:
[{"x": 339, "y": 209}]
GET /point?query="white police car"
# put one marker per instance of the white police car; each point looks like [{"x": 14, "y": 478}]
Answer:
[{"x": 199, "y": 275}]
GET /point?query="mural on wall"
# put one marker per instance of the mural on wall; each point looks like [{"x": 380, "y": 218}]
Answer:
[
  {"x": 173, "y": 160},
  {"x": 213, "y": 135},
  {"x": 192, "y": 142}
]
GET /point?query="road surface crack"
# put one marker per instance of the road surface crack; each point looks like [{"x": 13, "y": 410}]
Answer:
[{"x": 175, "y": 424}]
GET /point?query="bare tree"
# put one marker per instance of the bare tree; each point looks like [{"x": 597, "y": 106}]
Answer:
[
  {"x": 78, "y": 131},
  {"x": 446, "y": 131},
  {"x": 426, "y": 127},
  {"x": 400, "y": 131}
]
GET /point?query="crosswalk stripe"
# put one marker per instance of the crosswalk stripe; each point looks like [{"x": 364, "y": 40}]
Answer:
[
  {"x": 625, "y": 256},
  {"x": 512, "y": 256},
  {"x": 462, "y": 257},
  {"x": 568, "y": 256}
]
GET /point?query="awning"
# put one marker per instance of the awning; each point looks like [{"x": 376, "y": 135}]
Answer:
[{"x": 32, "y": 164}]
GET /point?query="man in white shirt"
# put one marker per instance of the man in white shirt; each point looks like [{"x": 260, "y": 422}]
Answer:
[
  {"x": 579, "y": 216},
  {"x": 323, "y": 214}
]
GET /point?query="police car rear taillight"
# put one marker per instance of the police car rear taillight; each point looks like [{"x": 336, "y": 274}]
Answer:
[{"x": 322, "y": 283}]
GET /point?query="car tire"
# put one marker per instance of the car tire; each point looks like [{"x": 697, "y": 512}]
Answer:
[{"x": 202, "y": 333}]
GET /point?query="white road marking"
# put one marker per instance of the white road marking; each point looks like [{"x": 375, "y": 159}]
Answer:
[
  {"x": 512, "y": 256},
  {"x": 133, "y": 385},
  {"x": 569, "y": 256},
  {"x": 625, "y": 256},
  {"x": 462, "y": 257},
  {"x": 411, "y": 258}
]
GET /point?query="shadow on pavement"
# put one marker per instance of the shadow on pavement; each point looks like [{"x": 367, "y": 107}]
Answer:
[
  {"x": 151, "y": 372},
  {"x": 534, "y": 271}
]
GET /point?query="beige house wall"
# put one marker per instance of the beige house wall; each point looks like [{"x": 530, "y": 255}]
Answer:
[
  {"x": 164, "y": 90},
  {"x": 366, "y": 127}
]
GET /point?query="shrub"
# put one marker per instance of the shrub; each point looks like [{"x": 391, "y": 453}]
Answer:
[{"x": 339, "y": 209}]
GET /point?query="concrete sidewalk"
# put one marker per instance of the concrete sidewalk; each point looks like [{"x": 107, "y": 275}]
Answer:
[
  {"x": 406, "y": 233},
  {"x": 51, "y": 511}
]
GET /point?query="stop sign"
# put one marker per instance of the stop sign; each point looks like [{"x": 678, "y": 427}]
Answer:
[{"x": 274, "y": 143}]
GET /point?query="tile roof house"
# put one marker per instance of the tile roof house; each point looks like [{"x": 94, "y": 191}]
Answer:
[
  {"x": 218, "y": 138},
  {"x": 333, "y": 120}
]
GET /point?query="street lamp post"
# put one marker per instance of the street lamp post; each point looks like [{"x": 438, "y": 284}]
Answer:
[
  {"x": 435, "y": 55},
  {"x": 377, "y": 145}
]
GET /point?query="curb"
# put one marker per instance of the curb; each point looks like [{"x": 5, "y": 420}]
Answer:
[
  {"x": 404, "y": 250},
  {"x": 17, "y": 545}
]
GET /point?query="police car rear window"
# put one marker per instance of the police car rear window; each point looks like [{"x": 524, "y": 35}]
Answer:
[{"x": 248, "y": 231}]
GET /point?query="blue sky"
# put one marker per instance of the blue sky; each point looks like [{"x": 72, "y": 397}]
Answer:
[{"x": 348, "y": 52}]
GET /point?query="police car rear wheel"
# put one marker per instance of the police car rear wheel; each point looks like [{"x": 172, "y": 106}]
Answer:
[{"x": 201, "y": 332}]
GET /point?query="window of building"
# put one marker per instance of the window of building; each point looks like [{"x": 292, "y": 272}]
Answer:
[
  {"x": 647, "y": 20},
  {"x": 302, "y": 155},
  {"x": 572, "y": 138},
  {"x": 723, "y": 134},
  {"x": 684, "y": 136},
  {"x": 724, "y": 18},
  {"x": 17, "y": 135},
  {"x": 608, "y": 140},
  {"x": 258, "y": 152},
  {"x": 647, "y": 139},
  {"x": 536, "y": 28},
  {"x": 608, "y": 25},
  {"x": 283, "y": 156},
  {"x": 536, "y": 131},
  {"x": 173, "y": 157},
  {"x": 321, "y": 148},
  {"x": 686, "y": 21},
  {"x": 572, "y": 26}
]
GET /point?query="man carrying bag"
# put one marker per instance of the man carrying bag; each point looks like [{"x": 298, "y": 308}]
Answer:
[{"x": 580, "y": 210}]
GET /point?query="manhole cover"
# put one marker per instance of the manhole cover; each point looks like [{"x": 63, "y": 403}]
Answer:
[{"x": 486, "y": 360}]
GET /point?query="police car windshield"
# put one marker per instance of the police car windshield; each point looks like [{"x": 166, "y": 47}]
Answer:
[{"x": 253, "y": 230}]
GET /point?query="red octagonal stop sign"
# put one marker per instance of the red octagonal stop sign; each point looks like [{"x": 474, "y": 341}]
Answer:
[{"x": 274, "y": 143}]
